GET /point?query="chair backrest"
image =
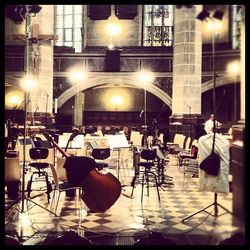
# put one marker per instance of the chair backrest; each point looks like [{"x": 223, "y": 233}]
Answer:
[
  {"x": 194, "y": 151},
  {"x": 195, "y": 142},
  {"x": 161, "y": 137},
  {"x": 61, "y": 172},
  {"x": 230, "y": 130},
  {"x": 181, "y": 141},
  {"x": 38, "y": 153},
  {"x": 148, "y": 154},
  {"x": 187, "y": 145},
  {"x": 100, "y": 153},
  {"x": 178, "y": 139}
]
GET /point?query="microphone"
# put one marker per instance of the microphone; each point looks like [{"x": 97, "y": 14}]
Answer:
[
  {"x": 76, "y": 132},
  {"x": 141, "y": 113}
]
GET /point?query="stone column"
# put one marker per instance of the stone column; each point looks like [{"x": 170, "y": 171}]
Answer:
[
  {"x": 78, "y": 108},
  {"x": 243, "y": 65},
  {"x": 186, "y": 105},
  {"x": 42, "y": 97},
  {"x": 238, "y": 167}
]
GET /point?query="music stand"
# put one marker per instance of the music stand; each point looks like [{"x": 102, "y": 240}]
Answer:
[
  {"x": 23, "y": 197},
  {"x": 117, "y": 142}
]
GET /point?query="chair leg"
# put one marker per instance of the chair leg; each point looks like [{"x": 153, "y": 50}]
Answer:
[
  {"x": 147, "y": 181},
  {"x": 142, "y": 186},
  {"x": 29, "y": 185},
  {"x": 156, "y": 183},
  {"x": 57, "y": 200},
  {"x": 53, "y": 198},
  {"x": 133, "y": 183},
  {"x": 48, "y": 186}
]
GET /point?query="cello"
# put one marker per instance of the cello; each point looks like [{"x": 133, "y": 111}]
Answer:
[{"x": 100, "y": 191}]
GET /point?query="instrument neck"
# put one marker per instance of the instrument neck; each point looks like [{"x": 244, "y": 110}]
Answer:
[{"x": 49, "y": 138}]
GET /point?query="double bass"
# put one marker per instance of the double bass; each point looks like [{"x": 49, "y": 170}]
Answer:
[{"x": 100, "y": 191}]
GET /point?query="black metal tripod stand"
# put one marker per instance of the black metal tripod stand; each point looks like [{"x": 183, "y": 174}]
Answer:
[{"x": 215, "y": 204}]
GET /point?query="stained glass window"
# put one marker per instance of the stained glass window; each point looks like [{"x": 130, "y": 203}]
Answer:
[
  {"x": 68, "y": 26},
  {"x": 236, "y": 21},
  {"x": 158, "y": 25}
]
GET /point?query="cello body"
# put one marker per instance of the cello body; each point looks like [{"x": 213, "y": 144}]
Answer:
[{"x": 100, "y": 191}]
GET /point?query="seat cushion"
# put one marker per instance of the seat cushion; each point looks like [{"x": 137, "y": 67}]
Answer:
[
  {"x": 39, "y": 165},
  {"x": 145, "y": 164}
]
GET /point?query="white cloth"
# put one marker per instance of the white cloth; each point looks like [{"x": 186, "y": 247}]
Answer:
[
  {"x": 209, "y": 124},
  {"x": 220, "y": 183}
]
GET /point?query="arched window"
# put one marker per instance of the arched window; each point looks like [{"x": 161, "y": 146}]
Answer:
[
  {"x": 158, "y": 25},
  {"x": 236, "y": 22},
  {"x": 68, "y": 26}
]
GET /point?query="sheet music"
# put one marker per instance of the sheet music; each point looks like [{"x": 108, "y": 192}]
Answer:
[
  {"x": 117, "y": 141},
  {"x": 77, "y": 142},
  {"x": 136, "y": 138},
  {"x": 63, "y": 139},
  {"x": 99, "y": 141}
]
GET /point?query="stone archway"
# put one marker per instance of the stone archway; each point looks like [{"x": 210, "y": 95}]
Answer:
[
  {"x": 220, "y": 81},
  {"x": 129, "y": 80},
  {"x": 114, "y": 78}
]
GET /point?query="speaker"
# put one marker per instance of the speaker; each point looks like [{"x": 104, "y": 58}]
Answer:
[
  {"x": 99, "y": 12},
  {"x": 112, "y": 61},
  {"x": 126, "y": 11}
]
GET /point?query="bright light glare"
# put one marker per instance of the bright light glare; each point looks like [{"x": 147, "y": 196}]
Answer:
[
  {"x": 145, "y": 77},
  {"x": 76, "y": 76},
  {"x": 111, "y": 46},
  {"x": 113, "y": 29},
  {"x": 15, "y": 100},
  {"x": 116, "y": 100},
  {"x": 24, "y": 219},
  {"x": 214, "y": 25},
  {"x": 234, "y": 68},
  {"x": 28, "y": 83}
]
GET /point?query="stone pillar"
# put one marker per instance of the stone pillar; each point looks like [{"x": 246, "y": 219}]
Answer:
[
  {"x": 238, "y": 167},
  {"x": 42, "y": 96},
  {"x": 78, "y": 108},
  {"x": 243, "y": 64},
  {"x": 186, "y": 105}
]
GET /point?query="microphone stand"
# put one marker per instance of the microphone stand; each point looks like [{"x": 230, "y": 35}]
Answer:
[
  {"x": 23, "y": 197},
  {"x": 72, "y": 136},
  {"x": 34, "y": 116},
  {"x": 46, "y": 114},
  {"x": 155, "y": 121}
]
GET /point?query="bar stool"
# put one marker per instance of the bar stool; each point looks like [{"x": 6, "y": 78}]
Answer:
[
  {"x": 146, "y": 176},
  {"x": 38, "y": 155}
]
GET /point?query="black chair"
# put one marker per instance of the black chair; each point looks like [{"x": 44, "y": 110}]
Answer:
[
  {"x": 100, "y": 154},
  {"x": 146, "y": 176},
  {"x": 192, "y": 155},
  {"x": 38, "y": 155}
]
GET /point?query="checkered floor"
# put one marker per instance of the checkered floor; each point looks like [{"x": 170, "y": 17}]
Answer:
[{"x": 128, "y": 219}]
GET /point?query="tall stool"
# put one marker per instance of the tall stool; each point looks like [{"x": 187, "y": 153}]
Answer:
[
  {"x": 38, "y": 155},
  {"x": 143, "y": 176}
]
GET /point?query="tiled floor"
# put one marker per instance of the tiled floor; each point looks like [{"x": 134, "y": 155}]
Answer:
[{"x": 129, "y": 220}]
